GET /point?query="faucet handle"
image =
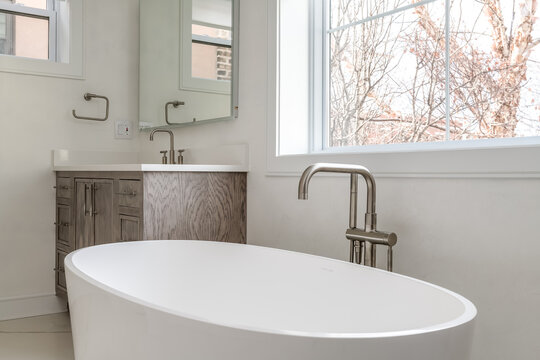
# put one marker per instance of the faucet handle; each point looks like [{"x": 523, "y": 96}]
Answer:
[
  {"x": 164, "y": 158},
  {"x": 181, "y": 156}
]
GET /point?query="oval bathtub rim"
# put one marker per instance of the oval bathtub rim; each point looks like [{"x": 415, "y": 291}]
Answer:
[{"x": 468, "y": 315}]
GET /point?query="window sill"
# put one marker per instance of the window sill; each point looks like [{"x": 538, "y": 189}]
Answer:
[
  {"x": 512, "y": 158},
  {"x": 18, "y": 65}
]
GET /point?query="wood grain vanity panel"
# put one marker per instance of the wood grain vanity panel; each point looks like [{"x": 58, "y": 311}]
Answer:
[
  {"x": 161, "y": 206},
  {"x": 240, "y": 203},
  {"x": 209, "y": 206},
  {"x": 195, "y": 206}
]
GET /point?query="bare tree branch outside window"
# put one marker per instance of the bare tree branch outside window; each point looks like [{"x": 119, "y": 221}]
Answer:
[{"x": 387, "y": 74}]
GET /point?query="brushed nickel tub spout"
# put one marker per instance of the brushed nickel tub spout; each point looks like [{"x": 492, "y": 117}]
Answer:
[{"x": 363, "y": 242}]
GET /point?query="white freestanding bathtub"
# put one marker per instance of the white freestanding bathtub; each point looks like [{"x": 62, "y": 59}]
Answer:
[{"x": 199, "y": 300}]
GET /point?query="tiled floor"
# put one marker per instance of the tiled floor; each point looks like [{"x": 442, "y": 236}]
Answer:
[{"x": 38, "y": 338}]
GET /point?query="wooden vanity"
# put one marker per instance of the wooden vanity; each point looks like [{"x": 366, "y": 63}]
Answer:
[{"x": 99, "y": 207}]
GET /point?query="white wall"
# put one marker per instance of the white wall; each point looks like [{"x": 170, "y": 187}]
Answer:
[
  {"x": 477, "y": 237},
  {"x": 35, "y": 117}
]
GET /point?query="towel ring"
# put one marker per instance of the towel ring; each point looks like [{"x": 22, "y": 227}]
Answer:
[
  {"x": 88, "y": 97},
  {"x": 175, "y": 104}
]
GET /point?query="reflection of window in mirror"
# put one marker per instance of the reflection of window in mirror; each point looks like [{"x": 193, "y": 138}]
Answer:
[{"x": 209, "y": 51}]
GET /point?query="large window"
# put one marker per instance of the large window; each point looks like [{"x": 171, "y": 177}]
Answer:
[
  {"x": 408, "y": 71},
  {"x": 373, "y": 82}
]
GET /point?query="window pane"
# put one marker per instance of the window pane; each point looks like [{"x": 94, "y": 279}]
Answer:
[
  {"x": 211, "y": 53},
  {"x": 215, "y": 12},
  {"x": 38, "y": 4},
  {"x": 495, "y": 73},
  {"x": 211, "y": 32},
  {"x": 24, "y": 36},
  {"x": 344, "y": 12},
  {"x": 211, "y": 62},
  {"x": 5, "y": 36},
  {"x": 387, "y": 78}
]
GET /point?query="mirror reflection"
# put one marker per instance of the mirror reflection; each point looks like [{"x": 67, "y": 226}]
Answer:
[{"x": 187, "y": 71}]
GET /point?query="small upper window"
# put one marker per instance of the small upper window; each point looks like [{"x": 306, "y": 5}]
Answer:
[{"x": 30, "y": 29}]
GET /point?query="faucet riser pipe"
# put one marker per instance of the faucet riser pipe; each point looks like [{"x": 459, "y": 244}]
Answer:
[
  {"x": 362, "y": 250},
  {"x": 390, "y": 259},
  {"x": 353, "y": 207}
]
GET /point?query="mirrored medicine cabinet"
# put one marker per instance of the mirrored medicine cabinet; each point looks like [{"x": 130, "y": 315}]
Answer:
[{"x": 188, "y": 62}]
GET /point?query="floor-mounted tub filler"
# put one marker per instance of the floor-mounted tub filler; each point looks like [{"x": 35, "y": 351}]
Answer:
[{"x": 201, "y": 300}]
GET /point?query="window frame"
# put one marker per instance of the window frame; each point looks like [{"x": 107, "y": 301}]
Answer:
[
  {"x": 49, "y": 15},
  {"x": 322, "y": 144},
  {"x": 493, "y": 158},
  {"x": 8, "y": 30},
  {"x": 39, "y": 67}
]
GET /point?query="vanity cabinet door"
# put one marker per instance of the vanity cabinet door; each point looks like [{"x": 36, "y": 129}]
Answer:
[
  {"x": 103, "y": 211},
  {"x": 129, "y": 193},
  {"x": 63, "y": 227},
  {"x": 63, "y": 188},
  {"x": 94, "y": 215},
  {"x": 129, "y": 228},
  {"x": 84, "y": 221},
  {"x": 60, "y": 272}
]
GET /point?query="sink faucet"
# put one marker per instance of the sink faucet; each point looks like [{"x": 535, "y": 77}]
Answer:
[
  {"x": 171, "y": 150},
  {"x": 362, "y": 248}
]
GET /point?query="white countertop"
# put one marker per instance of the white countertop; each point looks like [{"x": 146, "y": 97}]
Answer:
[{"x": 151, "y": 168}]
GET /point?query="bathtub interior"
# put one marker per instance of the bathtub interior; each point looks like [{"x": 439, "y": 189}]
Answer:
[{"x": 269, "y": 290}]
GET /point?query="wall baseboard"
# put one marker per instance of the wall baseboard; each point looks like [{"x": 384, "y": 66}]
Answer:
[{"x": 28, "y": 306}]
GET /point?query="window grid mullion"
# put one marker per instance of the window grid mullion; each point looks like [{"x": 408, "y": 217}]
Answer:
[
  {"x": 329, "y": 31},
  {"x": 447, "y": 66},
  {"x": 381, "y": 15},
  {"x": 26, "y": 11}
]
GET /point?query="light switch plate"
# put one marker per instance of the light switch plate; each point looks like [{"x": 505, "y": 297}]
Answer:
[{"x": 122, "y": 129}]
